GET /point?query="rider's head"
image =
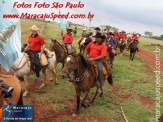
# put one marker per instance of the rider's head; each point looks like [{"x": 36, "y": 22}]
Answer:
[
  {"x": 110, "y": 35},
  {"x": 98, "y": 38},
  {"x": 69, "y": 30},
  {"x": 97, "y": 29}
]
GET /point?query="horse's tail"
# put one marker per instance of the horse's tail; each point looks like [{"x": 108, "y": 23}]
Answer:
[
  {"x": 110, "y": 79},
  {"x": 20, "y": 102}
]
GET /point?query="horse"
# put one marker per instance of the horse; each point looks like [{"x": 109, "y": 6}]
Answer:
[
  {"x": 16, "y": 98},
  {"x": 22, "y": 69},
  {"x": 75, "y": 32},
  {"x": 117, "y": 40},
  {"x": 133, "y": 49},
  {"x": 110, "y": 54},
  {"x": 84, "y": 78},
  {"x": 122, "y": 45},
  {"x": 128, "y": 41},
  {"x": 83, "y": 42},
  {"x": 61, "y": 50}
]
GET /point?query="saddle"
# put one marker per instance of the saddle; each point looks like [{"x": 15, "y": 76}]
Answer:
[
  {"x": 44, "y": 58},
  {"x": 106, "y": 69},
  {"x": 68, "y": 48}
]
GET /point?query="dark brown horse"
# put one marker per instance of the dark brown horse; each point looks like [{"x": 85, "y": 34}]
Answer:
[
  {"x": 84, "y": 78},
  {"x": 61, "y": 50},
  {"x": 122, "y": 45},
  {"x": 133, "y": 49},
  {"x": 83, "y": 42}
]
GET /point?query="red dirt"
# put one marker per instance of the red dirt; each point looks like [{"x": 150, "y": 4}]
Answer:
[{"x": 150, "y": 58}]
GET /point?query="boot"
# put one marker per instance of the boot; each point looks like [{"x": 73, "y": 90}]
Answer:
[{"x": 137, "y": 49}]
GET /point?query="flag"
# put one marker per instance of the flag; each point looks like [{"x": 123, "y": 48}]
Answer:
[
  {"x": 62, "y": 25},
  {"x": 10, "y": 35}
]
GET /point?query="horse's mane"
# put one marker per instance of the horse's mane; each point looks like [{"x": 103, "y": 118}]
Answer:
[
  {"x": 59, "y": 44},
  {"x": 85, "y": 63}
]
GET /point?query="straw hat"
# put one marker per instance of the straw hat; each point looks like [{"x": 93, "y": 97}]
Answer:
[
  {"x": 84, "y": 29},
  {"x": 34, "y": 27},
  {"x": 69, "y": 28}
]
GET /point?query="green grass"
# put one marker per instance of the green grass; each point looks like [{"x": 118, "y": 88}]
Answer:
[
  {"x": 130, "y": 79},
  {"x": 150, "y": 45}
]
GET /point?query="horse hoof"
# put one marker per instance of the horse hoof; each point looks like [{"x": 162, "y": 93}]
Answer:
[
  {"x": 25, "y": 94},
  {"x": 74, "y": 114},
  {"x": 42, "y": 85},
  {"x": 57, "y": 83}
]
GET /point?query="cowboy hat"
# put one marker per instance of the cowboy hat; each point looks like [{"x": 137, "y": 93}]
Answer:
[
  {"x": 84, "y": 29},
  {"x": 34, "y": 27},
  {"x": 97, "y": 28},
  {"x": 99, "y": 35},
  {"x": 110, "y": 33},
  {"x": 69, "y": 28}
]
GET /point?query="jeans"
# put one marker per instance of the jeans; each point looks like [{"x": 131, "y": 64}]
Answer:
[
  {"x": 37, "y": 62},
  {"x": 100, "y": 72}
]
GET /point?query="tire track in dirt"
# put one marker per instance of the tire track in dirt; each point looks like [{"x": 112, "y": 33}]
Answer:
[{"x": 150, "y": 58}]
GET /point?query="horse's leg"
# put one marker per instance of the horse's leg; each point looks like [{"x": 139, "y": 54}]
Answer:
[
  {"x": 44, "y": 73},
  {"x": 26, "y": 85},
  {"x": 133, "y": 56},
  {"x": 78, "y": 93},
  {"x": 93, "y": 99},
  {"x": 55, "y": 76},
  {"x": 85, "y": 97}
]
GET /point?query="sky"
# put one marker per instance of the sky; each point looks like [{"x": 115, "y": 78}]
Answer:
[{"x": 128, "y": 15}]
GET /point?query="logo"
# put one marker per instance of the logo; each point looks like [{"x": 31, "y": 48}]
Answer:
[{"x": 17, "y": 112}]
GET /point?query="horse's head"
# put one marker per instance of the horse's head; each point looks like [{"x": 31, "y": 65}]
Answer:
[
  {"x": 52, "y": 45},
  {"x": 58, "y": 49},
  {"x": 70, "y": 64}
]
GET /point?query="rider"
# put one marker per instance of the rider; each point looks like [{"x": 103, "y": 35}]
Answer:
[
  {"x": 97, "y": 52},
  {"x": 67, "y": 37},
  {"x": 124, "y": 36},
  {"x": 134, "y": 37},
  {"x": 111, "y": 41},
  {"x": 34, "y": 44},
  {"x": 97, "y": 31}
]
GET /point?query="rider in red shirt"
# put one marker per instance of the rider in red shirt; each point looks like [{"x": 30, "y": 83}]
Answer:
[
  {"x": 134, "y": 37},
  {"x": 97, "y": 52},
  {"x": 34, "y": 44},
  {"x": 67, "y": 37},
  {"x": 124, "y": 35},
  {"x": 116, "y": 34}
]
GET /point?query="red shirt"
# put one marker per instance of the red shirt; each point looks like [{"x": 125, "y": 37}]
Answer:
[
  {"x": 35, "y": 43},
  {"x": 96, "y": 50},
  {"x": 116, "y": 35},
  {"x": 124, "y": 36},
  {"x": 135, "y": 37},
  {"x": 67, "y": 38}
]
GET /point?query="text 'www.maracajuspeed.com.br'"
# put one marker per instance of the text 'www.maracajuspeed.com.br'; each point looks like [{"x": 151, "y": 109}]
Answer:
[{"x": 49, "y": 16}]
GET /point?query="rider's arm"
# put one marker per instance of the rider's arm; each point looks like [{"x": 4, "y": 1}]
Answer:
[
  {"x": 26, "y": 48},
  {"x": 62, "y": 34}
]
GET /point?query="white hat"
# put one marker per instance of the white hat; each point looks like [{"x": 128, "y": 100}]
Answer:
[{"x": 34, "y": 27}]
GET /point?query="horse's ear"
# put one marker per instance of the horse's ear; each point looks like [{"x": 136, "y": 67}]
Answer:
[{"x": 53, "y": 40}]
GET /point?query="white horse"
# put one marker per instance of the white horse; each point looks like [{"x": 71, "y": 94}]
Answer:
[{"x": 22, "y": 69}]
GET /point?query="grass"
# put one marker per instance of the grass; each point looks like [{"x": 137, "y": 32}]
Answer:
[
  {"x": 130, "y": 79},
  {"x": 149, "y": 44}
]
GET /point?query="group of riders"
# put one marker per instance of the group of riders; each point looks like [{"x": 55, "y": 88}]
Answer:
[{"x": 96, "y": 48}]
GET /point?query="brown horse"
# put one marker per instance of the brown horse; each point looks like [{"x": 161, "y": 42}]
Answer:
[
  {"x": 16, "y": 98},
  {"x": 83, "y": 42},
  {"x": 122, "y": 45},
  {"x": 84, "y": 78},
  {"x": 61, "y": 50},
  {"x": 110, "y": 55}
]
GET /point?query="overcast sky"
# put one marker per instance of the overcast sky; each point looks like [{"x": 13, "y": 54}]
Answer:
[{"x": 129, "y": 15}]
